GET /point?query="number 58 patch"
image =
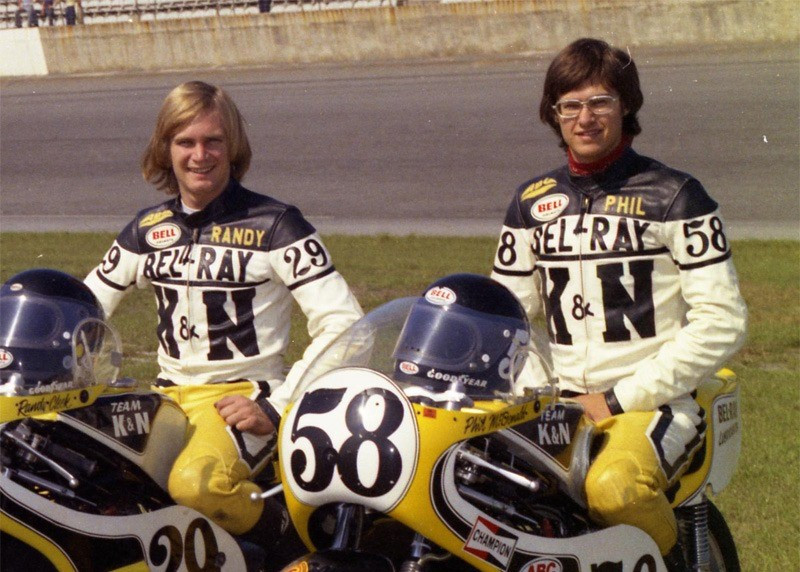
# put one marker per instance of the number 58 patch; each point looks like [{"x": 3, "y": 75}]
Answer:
[
  {"x": 704, "y": 241},
  {"x": 353, "y": 438}
]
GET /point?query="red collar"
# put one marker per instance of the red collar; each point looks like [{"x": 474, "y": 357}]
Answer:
[{"x": 587, "y": 169}]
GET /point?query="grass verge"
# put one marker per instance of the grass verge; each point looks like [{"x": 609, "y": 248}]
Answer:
[{"x": 761, "y": 504}]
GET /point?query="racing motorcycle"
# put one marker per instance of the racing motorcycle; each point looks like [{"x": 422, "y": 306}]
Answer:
[
  {"x": 85, "y": 457},
  {"x": 83, "y": 485},
  {"x": 385, "y": 471}
]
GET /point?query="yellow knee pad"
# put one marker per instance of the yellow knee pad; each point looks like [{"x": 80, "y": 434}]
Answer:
[
  {"x": 620, "y": 489},
  {"x": 199, "y": 486}
]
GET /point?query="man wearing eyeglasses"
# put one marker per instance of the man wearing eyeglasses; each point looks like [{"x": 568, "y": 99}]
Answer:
[{"x": 629, "y": 262}]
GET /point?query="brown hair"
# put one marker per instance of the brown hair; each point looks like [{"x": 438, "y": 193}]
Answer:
[
  {"x": 591, "y": 61},
  {"x": 180, "y": 107}
]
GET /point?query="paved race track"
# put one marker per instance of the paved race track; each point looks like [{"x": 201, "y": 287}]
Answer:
[{"x": 423, "y": 147}]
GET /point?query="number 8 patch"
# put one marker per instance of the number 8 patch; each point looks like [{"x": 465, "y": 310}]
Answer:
[{"x": 352, "y": 438}]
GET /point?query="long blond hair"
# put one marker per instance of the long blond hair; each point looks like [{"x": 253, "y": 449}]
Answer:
[{"x": 180, "y": 107}]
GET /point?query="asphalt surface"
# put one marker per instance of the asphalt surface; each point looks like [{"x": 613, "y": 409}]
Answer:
[{"x": 431, "y": 148}]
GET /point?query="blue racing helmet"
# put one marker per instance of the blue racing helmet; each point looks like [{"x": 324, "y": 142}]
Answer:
[
  {"x": 466, "y": 331},
  {"x": 53, "y": 336}
]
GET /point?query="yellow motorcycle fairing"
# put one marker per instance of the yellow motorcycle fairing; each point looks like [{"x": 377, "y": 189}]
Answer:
[{"x": 714, "y": 465}]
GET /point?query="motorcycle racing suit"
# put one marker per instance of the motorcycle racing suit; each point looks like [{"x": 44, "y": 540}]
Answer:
[
  {"x": 224, "y": 280},
  {"x": 633, "y": 271}
]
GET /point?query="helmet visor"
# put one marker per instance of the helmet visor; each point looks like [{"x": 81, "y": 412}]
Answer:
[
  {"x": 37, "y": 322},
  {"x": 96, "y": 355},
  {"x": 90, "y": 355},
  {"x": 455, "y": 338}
]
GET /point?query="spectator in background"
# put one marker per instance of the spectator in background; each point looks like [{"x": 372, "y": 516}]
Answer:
[
  {"x": 71, "y": 11},
  {"x": 26, "y": 7},
  {"x": 48, "y": 11}
]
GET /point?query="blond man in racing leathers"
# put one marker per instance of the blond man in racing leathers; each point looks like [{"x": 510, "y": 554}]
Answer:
[{"x": 226, "y": 265}]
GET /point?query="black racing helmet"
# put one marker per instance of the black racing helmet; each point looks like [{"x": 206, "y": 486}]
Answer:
[
  {"x": 466, "y": 331},
  {"x": 53, "y": 336}
]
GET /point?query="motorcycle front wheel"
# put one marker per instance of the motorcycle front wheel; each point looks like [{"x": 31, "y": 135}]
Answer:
[{"x": 723, "y": 556}]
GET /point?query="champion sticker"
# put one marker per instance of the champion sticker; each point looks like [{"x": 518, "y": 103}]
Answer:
[
  {"x": 441, "y": 296},
  {"x": 491, "y": 543},
  {"x": 408, "y": 368},
  {"x": 6, "y": 358},
  {"x": 549, "y": 207},
  {"x": 163, "y": 235}
]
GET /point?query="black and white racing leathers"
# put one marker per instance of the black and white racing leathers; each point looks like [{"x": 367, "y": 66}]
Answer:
[
  {"x": 224, "y": 280},
  {"x": 633, "y": 270}
]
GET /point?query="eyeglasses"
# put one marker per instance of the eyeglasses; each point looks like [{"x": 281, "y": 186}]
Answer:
[{"x": 598, "y": 105}]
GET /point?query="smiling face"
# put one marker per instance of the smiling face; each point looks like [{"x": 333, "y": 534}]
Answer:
[
  {"x": 200, "y": 157},
  {"x": 592, "y": 137}
]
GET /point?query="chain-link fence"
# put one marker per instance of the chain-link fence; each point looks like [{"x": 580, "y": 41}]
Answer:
[{"x": 28, "y": 13}]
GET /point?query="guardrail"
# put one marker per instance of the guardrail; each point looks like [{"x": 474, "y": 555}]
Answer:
[{"x": 98, "y": 11}]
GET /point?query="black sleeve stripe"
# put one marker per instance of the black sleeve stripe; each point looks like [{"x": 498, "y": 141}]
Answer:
[
  {"x": 704, "y": 263},
  {"x": 605, "y": 255},
  {"x": 330, "y": 270},
  {"x": 512, "y": 272},
  {"x": 209, "y": 283},
  {"x": 270, "y": 411},
  {"x": 613, "y": 403},
  {"x": 111, "y": 284}
]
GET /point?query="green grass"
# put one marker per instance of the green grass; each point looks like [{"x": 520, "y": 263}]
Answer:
[{"x": 762, "y": 502}]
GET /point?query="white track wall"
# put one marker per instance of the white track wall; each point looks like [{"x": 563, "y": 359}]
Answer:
[{"x": 423, "y": 30}]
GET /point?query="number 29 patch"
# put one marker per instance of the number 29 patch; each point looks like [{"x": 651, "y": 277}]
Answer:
[{"x": 352, "y": 438}]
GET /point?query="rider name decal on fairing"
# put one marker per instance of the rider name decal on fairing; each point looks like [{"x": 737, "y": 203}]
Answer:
[
  {"x": 548, "y": 208},
  {"x": 490, "y": 542},
  {"x": 39, "y": 405},
  {"x": 440, "y": 296},
  {"x": 6, "y": 358},
  {"x": 163, "y": 235},
  {"x": 482, "y": 423}
]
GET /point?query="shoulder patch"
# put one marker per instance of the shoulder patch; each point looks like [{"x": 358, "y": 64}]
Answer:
[
  {"x": 538, "y": 188},
  {"x": 154, "y": 218},
  {"x": 163, "y": 235},
  {"x": 290, "y": 228},
  {"x": 548, "y": 208}
]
